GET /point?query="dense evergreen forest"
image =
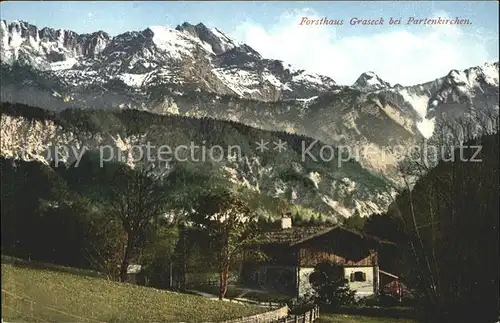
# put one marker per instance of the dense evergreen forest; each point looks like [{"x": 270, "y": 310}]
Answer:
[{"x": 446, "y": 228}]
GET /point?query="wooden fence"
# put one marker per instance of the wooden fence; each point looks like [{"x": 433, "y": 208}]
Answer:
[
  {"x": 307, "y": 317},
  {"x": 271, "y": 305},
  {"x": 274, "y": 316},
  {"x": 280, "y": 316}
]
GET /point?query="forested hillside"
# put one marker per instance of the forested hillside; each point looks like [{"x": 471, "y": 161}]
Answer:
[{"x": 303, "y": 171}]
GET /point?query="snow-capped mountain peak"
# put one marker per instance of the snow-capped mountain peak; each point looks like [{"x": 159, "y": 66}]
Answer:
[
  {"x": 225, "y": 39},
  {"x": 370, "y": 81},
  {"x": 487, "y": 72},
  {"x": 461, "y": 90},
  {"x": 160, "y": 61},
  {"x": 173, "y": 42},
  {"x": 217, "y": 39},
  {"x": 189, "y": 55}
]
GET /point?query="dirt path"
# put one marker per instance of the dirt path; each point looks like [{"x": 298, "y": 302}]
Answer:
[{"x": 239, "y": 299}]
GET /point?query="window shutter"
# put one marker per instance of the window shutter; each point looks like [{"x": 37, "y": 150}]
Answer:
[
  {"x": 352, "y": 277},
  {"x": 364, "y": 276}
]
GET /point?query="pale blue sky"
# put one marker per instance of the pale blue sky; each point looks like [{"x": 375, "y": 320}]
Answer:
[{"x": 266, "y": 25}]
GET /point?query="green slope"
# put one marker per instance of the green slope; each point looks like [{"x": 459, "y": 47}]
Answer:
[{"x": 32, "y": 294}]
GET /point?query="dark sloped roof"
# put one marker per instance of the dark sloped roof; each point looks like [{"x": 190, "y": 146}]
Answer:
[
  {"x": 292, "y": 235},
  {"x": 296, "y": 235}
]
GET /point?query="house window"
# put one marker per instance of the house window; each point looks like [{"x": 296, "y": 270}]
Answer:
[{"x": 358, "y": 276}]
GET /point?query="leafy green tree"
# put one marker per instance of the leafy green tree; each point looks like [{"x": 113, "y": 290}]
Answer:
[
  {"x": 84, "y": 234},
  {"x": 331, "y": 287},
  {"x": 230, "y": 225},
  {"x": 138, "y": 200},
  {"x": 158, "y": 255},
  {"x": 105, "y": 241},
  {"x": 186, "y": 183}
]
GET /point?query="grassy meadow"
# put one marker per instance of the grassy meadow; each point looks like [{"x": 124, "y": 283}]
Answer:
[
  {"x": 344, "y": 318},
  {"x": 49, "y": 295}
]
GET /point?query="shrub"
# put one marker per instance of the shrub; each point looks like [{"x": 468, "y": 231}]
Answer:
[{"x": 331, "y": 287}]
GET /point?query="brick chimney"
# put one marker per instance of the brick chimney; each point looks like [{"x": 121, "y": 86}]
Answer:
[{"x": 286, "y": 220}]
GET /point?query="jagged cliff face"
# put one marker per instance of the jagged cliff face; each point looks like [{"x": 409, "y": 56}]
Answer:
[
  {"x": 197, "y": 71},
  {"x": 48, "y": 48}
]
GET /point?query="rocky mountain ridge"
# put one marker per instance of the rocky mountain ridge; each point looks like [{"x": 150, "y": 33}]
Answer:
[
  {"x": 193, "y": 55},
  {"x": 197, "y": 71}
]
